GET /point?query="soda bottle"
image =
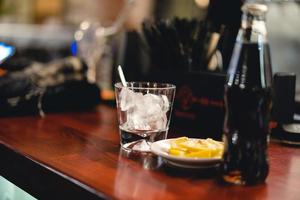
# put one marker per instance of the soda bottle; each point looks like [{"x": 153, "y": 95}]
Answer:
[{"x": 248, "y": 102}]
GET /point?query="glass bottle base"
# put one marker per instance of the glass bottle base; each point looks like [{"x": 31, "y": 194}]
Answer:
[{"x": 234, "y": 178}]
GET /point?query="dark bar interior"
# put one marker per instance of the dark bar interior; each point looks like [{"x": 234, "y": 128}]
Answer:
[{"x": 152, "y": 99}]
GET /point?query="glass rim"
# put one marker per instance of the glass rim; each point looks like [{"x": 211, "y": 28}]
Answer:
[{"x": 167, "y": 86}]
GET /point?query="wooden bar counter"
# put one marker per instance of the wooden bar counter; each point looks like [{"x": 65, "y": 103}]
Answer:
[{"x": 77, "y": 156}]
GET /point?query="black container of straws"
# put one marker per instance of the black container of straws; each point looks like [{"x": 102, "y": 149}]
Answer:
[{"x": 172, "y": 51}]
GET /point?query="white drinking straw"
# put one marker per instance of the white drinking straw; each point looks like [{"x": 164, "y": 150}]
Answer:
[{"x": 122, "y": 77}]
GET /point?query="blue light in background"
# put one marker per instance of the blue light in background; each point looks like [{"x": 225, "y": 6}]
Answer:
[
  {"x": 74, "y": 48},
  {"x": 5, "y": 51}
]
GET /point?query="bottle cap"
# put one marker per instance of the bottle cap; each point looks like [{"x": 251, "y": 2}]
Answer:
[{"x": 254, "y": 8}]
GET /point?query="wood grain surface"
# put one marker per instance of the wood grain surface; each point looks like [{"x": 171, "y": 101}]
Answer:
[{"x": 78, "y": 155}]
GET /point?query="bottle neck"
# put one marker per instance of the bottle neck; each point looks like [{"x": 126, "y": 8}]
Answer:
[{"x": 253, "y": 29}]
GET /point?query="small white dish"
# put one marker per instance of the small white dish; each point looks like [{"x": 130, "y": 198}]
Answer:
[{"x": 161, "y": 148}]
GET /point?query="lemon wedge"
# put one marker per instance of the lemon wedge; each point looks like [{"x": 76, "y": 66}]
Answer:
[{"x": 196, "y": 148}]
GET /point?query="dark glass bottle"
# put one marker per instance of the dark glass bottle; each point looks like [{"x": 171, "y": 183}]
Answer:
[{"x": 248, "y": 102}]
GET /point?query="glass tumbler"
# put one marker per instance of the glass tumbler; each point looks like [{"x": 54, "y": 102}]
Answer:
[{"x": 144, "y": 113}]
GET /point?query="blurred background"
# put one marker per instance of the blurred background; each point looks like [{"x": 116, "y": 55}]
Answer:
[
  {"x": 104, "y": 34},
  {"x": 51, "y": 25}
]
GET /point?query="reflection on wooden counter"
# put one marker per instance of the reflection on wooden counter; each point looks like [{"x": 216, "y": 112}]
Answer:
[{"x": 77, "y": 155}]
